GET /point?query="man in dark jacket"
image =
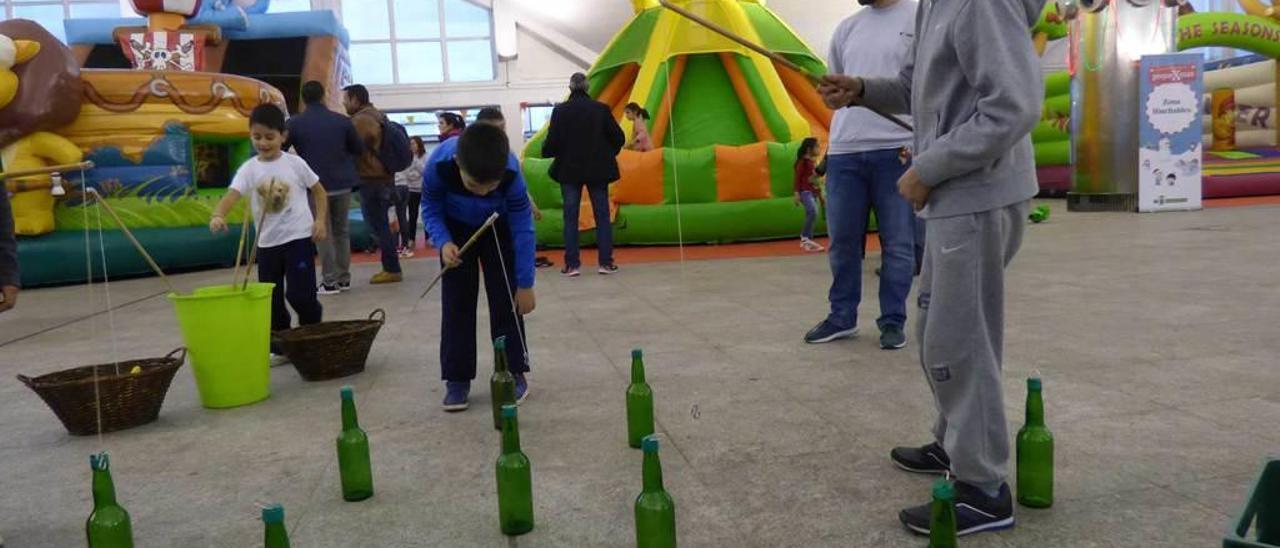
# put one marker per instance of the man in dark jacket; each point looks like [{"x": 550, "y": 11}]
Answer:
[
  {"x": 329, "y": 143},
  {"x": 8, "y": 255},
  {"x": 376, "y": 183},
  {"x": 584, "y": 140}
]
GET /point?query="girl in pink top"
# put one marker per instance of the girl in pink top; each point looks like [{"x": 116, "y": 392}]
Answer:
[{"x": 640, "y": 128}]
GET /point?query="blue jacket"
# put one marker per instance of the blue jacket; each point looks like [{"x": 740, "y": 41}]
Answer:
[
  {"x": 329, "y": 143},
  {"x": 444, "y": 196}
]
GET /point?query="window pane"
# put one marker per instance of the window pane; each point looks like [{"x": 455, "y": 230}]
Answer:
[
  {"x": 371, "y": 63},
  {"x": 49, "y": 17},
  {"x": 471, "y": 61},
  {"x": 421, "y": 124},
  {"x": 280, "y": 6},
  {"x": 420, "y": 62},
  {"x": 463, "y": 19},
  {"x": 417, "y": 19},
  {"x": 101, "y": 10},
  {"x": 367, "y": 19}
]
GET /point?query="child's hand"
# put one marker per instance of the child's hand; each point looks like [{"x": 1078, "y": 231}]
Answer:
[
  {"x": 537, "y": 213},
  {"x": 525, "y": 301},
  {"x": 451, "y": 255},
  {"x": 217, "y": 224},
  {"x": 796, "y": 199},
  {"x": 319, "y": 232}
]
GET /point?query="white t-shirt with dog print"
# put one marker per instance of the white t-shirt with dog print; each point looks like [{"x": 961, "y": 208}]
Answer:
[{"x": 286, "y": 180}]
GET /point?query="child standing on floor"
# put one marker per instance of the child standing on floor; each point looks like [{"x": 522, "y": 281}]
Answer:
[
  {"x": 806, "y": 191},
  {"x": 640, "y": 140},
  {"x": 278, "y": 185},
  {"x": 464, "y": 182}
]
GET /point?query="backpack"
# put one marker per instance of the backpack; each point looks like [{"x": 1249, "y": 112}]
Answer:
[{"x": 395, "y": 153}]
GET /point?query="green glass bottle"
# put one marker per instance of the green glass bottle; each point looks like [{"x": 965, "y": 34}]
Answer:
[
  {"x": 276, "y": 535},
  {"x": 502, "y": 386},
  {"x": 655, "y": 510},
  {"x": 639, "y": 402},
  {"x": 108, "y": 526},
  {"x": 353, "y": 453},
  {"x": 1035, "y": 453},
  {"x": 515, "y": 479},
  {"x": 942, "y": 518},
  {"x": 1040, "y": 214}
]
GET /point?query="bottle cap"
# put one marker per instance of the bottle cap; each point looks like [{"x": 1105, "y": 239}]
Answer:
[
  {"x": 943, "y": 490},
  {"x": 500, "y": 343},
  {"x": 1033, "y": 384},
  {"x": 649, "y": 444},
  {"x": 508, "y": 411},
  {"x": 99, "y": 461},
  {"x": 348, "y": 392},
  {"x": 273, "y": 513},
  {"x": 637, "y": 354}
]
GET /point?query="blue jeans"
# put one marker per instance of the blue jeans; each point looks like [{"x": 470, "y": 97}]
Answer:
[
  {"x": 857, "y": 183},
  {"x": 604, "y": 227},
  {"x": 375, "y": 200},
  {"x": 810, "y": 213}
]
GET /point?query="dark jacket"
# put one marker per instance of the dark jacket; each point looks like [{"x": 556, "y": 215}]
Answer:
[
  {"x": 329, "y": 143},
  {"x": 8, "y": 245},
  {"x": 584, "y": 140},
  {"x": 369, "y": 121}
]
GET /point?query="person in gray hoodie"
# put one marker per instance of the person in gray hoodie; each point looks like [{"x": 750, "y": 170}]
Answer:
[
  {"x": 9, "y": 278},
  {"x": 974, "y": 88}
]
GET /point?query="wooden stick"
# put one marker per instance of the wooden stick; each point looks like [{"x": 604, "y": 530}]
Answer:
[
  {"x": 257, "y": 237},
  {"x": 466, "y": 246},
  {"x": 129, "y": 234},
  {"x": 781, "y": 60},
  {"x": 244, "y": 233},
  {"x": 45, "y": 170}
]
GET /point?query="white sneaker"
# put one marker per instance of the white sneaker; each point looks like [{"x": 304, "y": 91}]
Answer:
[{"x": 278, "y": 360}]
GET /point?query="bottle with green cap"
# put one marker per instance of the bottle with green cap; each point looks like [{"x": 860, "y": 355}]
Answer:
[
  {"x": 502, "y": 386},
  {"x": 276, "y": 535},
  {"x": 942, "y": 516},
  {"x": 515, "y": 479},
  {"x": 353, "y": 452},
  {"x": 109, "y": 525},
  {"x": 1035, "y": 453},
  {"x": 655, "y": 510},
  {"x": 639, "y": 402}
]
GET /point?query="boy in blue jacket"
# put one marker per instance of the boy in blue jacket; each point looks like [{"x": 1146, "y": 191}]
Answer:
[{"x": 464, "y": 182}]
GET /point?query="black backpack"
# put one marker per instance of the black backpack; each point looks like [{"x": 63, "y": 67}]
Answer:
[{"x": 395, "y": 153}]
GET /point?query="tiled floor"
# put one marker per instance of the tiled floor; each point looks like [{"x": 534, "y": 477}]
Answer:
[{"x": 1156, "y": 336}]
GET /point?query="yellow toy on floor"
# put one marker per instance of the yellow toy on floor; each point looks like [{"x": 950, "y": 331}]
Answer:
[{"x": 32, "y": 200}]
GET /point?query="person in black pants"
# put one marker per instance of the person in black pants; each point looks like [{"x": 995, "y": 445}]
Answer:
[
  {"x": 584, "y": 140},
  {"x": 409, "y": 184}
]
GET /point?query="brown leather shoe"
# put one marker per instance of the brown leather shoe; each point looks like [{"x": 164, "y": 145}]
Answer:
[{"x": 387, "y": 278}]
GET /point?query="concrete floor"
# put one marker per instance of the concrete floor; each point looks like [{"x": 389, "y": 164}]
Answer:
[{"x": 1156, "y": 336}]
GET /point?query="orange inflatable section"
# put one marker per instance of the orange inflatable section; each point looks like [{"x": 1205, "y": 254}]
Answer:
[
  {"x": 616, "y": 93},
  {"x": 805, "y": 95},
  {"x": 746, "y": 98},
  {"x": 642, "y": 178},
  {"x": 663, "y": 120},
  {"x": 742, "y": 173}
]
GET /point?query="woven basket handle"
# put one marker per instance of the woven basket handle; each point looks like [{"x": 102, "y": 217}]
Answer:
[
  {"x": 180, "y": 352},
  {"x": 381, "y": 315}
]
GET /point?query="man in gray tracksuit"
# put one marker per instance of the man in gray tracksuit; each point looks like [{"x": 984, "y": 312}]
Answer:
[{"x": 974, "y": 88}]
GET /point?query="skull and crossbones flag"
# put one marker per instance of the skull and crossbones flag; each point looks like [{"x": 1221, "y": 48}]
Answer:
[{"x": 182, "y": 51}]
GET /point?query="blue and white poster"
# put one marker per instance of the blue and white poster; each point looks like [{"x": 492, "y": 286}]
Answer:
[{"x": 1171, "y": 87}]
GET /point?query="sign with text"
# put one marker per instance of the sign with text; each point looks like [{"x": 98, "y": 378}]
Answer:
[{"x": 1171, "y": 90}]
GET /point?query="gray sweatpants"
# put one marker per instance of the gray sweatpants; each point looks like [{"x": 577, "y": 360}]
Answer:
[
  {"x": 961, "y": 334},
  {"x": 335, "y": 252}
]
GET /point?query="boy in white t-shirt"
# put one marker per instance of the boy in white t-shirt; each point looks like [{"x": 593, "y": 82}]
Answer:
[{"x": 279, "y": 183}]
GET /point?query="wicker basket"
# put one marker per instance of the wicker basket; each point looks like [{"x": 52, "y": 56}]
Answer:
[
  {"x": 331, "y": 350},
  {"x": 128, "y": 400}
]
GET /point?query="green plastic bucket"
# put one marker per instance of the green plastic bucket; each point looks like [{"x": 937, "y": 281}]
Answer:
[{"x": 228, "y": 336}]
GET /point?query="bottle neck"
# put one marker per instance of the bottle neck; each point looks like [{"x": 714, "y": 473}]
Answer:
[
  {"x": 500, "y": 362},
  {"x": 104, "y": 489},
  {"x": 349, "y": 420},
  {"x": 637, "y": 371},
  {"x": 510, "y": 435},
  {"x": 1035, "y": 408},
  {"x": 652, "y": 473}
]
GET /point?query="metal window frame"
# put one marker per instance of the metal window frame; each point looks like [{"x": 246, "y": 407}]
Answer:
[{"x": 443, "y": 41}]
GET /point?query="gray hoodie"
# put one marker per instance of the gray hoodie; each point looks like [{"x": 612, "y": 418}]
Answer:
[
  {"x": 974, "y": 88},
  {"x": 8, "y": 246}
]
